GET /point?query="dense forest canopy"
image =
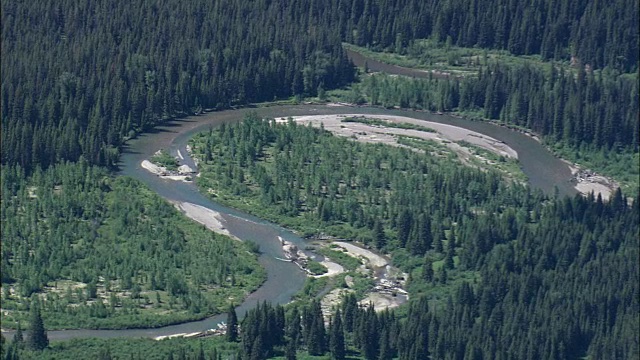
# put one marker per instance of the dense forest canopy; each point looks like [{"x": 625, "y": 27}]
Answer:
[
  {"x": 598, "y": 111},
  {"x": 601, "y": 34},
  {"x": 552, "y": 278},
  {"x": 496, "y": 270},
  {"x": 78, "y": 77}
]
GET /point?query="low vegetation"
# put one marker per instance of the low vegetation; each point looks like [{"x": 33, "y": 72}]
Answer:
[
  {"x": 384, "y": 123},
  {"x": 105, "y": 252},
  {"x": 163, "y": 158}
]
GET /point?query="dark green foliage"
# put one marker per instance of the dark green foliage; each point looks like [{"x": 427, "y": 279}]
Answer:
[
  {"x": 576, "y": 266},
  {"x": 313, "y": 327},
  {"x": 583, "y": 111},
  {"x": 263, "y": 329},
  {"x": 290, "y": 350},
  {"x": 316, "y": 268},
  {"x": 290, "y": 175},
  {"x": 336, "y": 338},
  {"x": 18, "y": 337},
  {"x": 213, "y": 348},
  {"x": 591, "y": 32},
  {"x": 573, "y": 261},
  {"x": 427, "y": 270},
  {"x": 232, "y": 324},
  {"x": 37, "y": 336},
  {"x": 66, "y": 96},
  {"x": 379, "y": 238},
  {"x": 80, "y": 78}
]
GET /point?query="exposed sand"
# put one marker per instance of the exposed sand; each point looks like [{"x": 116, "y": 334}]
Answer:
[
  {"x": 207, "y": 217},
  {"x": 445, "y": 134},
  {"x": 587, "y": 181},
  {"x": 332, "y": 300},
  {"x": 382, "y": 301},
  {"x": 375, "y": 260},
  {"x": 334, "y": 268},
  {"x": 153, "y": 168},
  {"x": 597, "y": 188}
]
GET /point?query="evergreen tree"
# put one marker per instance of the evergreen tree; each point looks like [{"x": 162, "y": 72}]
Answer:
[
  {"x": 232, "y": 324},
  {"x": 18, "y": 337},
  {"x": 290, "y": 350},
  {"x": 379, "y": 237},
  {"x": 336, "y": 340},
  {"x": 427, "y": 269},
  {"x": 316, "y": 339},
  {"x": 37, "y": 339}
]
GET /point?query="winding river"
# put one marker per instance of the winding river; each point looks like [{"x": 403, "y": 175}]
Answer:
[{"x": 545, "y": 172}]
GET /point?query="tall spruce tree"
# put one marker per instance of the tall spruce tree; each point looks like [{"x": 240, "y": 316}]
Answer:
[
  {"x": 232, "y": 324},
  {"x": 317, "y": 337},
  {"x": 37, "y": 339},
  {"x": 336, "y": 338},
  {"x": 379, "y": 235}
]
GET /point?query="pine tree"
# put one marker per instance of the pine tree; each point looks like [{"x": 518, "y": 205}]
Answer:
[
  {"x": 336, "y": 340},
  {"x": 370, "y": 334},
  {"x": 290, "y": 350},
  {"x": 379, "y": 236},
  {"x": 427, "y": 269},
  {"x": 293, "y": 329},
  {"x": 37, "y": 339},
  {"x": 232, "y": 325},
  {"x": 18, "y": 337},
  {"x": 257, "y": 350},
  {"x": 442, "y": 275},
  {"x": 201, "y": 353},
  {"x": 316, "y": 339}
]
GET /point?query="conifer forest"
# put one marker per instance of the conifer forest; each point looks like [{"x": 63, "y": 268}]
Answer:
[{"x": 158, "y": 195}]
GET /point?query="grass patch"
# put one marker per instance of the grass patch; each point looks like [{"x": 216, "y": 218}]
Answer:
[
  {"x": 384, "y": 123},
  {"x": 163, "y": 158},
  {"x": 340, "y": 257},
  {"x": 510, "y": 167},
  {"x": 428, "y": 54},
  {"x": 315, "y": 268}
]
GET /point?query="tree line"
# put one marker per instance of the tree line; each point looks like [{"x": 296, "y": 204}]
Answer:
[
  {"x": 599, "y": 111},
  {"x": 601, "y": 35}
]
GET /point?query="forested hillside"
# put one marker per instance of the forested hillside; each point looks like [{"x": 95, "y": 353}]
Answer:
[
  {"x": 103, "y": 252},
  {"x": 80, "y": 77}
]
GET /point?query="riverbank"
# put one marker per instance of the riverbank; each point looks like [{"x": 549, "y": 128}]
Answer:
[
  {"x": 284, "y": 280},
  {"x": 184, "y": 173},
  {"x": 588, "y": 182},
  {"x": 448, "y": 135},
  {"x": 212, "y": 220},
  {"x": 389, "y": 282}
]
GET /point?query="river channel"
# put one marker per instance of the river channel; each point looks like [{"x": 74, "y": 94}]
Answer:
[{"x": 545, "y": 172}]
